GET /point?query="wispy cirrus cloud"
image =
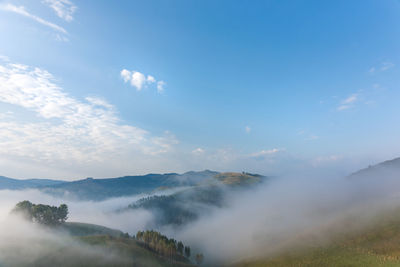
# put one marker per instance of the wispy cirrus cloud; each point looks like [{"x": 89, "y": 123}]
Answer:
[
  {"x": 198, "y": 151},
  {"x": 23, "y": 12},
  {"x": 139, "y": 81},
  {"x": 387, "y": 65},
  {"x": 264, "y": 153},
  {"x": 64, "y": 9},
  {"x": 384, "y": 66},
  {"x": 68, "y": 131},
  {"x": 308, "y": 136},
  {"x": 160, "y": 86},
  {"x": 348, "y": 102}
]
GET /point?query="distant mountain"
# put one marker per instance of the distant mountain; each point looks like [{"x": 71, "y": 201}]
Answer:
[
  {"x": 100, "y": 189},
  {"x": 13, "y": 184},
  {"x": 383, "y": 168},
  {"x": 234, "y": 178},
  {"x": 188, "y": 205},
  {"x": 182, "y": 207}
]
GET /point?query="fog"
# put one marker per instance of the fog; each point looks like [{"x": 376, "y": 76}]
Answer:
[
  {"x": 283, "y": 213},
  {"x": 23, "y": 243},
  {"x": 26, "y": 244},
  {"x": 291, "y": 212},
  {"x": 95, "y": 212}
]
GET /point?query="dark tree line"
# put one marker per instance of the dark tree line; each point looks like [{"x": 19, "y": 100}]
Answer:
[
  {"x": 182, "y": 207},
  {"x": 163, "y": 245},
  {"x": 43, "y": 214}
]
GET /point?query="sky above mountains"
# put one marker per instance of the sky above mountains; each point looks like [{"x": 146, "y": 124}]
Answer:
[{"x": 100, "y": 88}]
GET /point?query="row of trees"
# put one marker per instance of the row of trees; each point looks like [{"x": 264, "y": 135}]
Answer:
[
  {"x": 43, "y": 214},
  {"x": 163, "y": 245}
]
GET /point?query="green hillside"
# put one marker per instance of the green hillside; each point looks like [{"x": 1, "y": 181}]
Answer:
[
  {"x": 18, "y": 184},
  {"x": 187, "y": 205},
  {"x": 376, "y": 245},
  {"x": 235, "y": 178},
  {"x": 129, "y": 249},
  {"x": 85, "y": 229},
  {"x": 101, "y": 189}
]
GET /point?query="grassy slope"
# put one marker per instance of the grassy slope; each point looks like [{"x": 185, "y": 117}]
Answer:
[
  {"x": 84, "y": 229},
  {"x": 377, "y": 245},
  {"x": 125, "y": 251},
  {"x": 234, "y": 178},
  {"x": 130, "y": 249}
]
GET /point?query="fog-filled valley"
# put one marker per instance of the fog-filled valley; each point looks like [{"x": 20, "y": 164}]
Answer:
[
  {"x": 228, "y": 218},
  {"x": 209, "y": 133}
]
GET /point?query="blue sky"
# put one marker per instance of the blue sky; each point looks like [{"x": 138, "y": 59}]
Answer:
[{"x": 95, "y": 88}]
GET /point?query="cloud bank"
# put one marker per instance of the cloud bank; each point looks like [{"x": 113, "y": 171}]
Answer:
[{"x": 64, "y": 131}]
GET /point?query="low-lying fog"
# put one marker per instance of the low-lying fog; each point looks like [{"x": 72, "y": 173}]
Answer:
[
  {"x": 26, "y": 244},
  {"x": 259, "y": 222}
]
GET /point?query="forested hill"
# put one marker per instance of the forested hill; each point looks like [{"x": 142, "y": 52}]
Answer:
[
  {"x": 55, "y": 242},
  {"x": 13, "y": 184},
  {"x": 100, "y": 189}
]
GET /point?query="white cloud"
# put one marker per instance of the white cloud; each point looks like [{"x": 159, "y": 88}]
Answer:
[
  {"x": 160, "y": 86},
  {"x": 387, "y": 65},
  {"x": 384, "y": 66},
  {"x": 263, "y": 153},
  {"x": 139, "y": 80},
  {"x": 150, "y": 79},
  {"x": 351, "y": 99},
  {"x": 6, "y": 115},
  {"x": 136, "y": 78},
  {"x": 165, "y": 143},
  {"x": 22, "y": 11},
  {"x": 126, "y": 75},
  {"x": 343, "y": 107},
  {"x": 198, "y": 151},
  {"x": 99, "y": 102},
  {"x": 247, "y": 129},
  {"x": 4, "y": 58},
  {"x": 348, "y": 102},
  {"x": 67, "y": 131},
  {"x": 63, "y": 8}
]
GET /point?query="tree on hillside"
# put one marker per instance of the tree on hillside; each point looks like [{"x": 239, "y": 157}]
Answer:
[
  {"x": 179, "y": 247},
  {"x": 161, "y": 244},
  {"x": 25, "y": 209},
  {"x": 187, "y": 252},
  {"x": 62, "y": 213},
  {"x": 43, "y": 214}
]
